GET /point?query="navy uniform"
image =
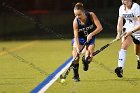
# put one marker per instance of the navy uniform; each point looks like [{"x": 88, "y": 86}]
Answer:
[{"x": 85, "y": 30}]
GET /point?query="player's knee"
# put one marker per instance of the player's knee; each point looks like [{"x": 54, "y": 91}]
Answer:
[{"x": 76, "y": 60}]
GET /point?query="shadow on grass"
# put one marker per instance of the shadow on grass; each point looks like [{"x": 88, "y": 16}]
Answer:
[{"x": 119, "y": 79}]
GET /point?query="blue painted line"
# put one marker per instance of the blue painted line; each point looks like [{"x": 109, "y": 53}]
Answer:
[{"x": 49, "y": 78}]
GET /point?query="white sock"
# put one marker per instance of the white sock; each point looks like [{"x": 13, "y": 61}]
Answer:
[
  {"x": 121, "y": 58},
  {"x": 138, "y": 57}
]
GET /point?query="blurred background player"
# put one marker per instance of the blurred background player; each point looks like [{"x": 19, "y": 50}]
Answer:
[
  {"x": 130, "y": 12},
  {"x": 85, "y": 26}
]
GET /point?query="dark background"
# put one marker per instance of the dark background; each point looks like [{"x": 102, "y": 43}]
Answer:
[{"x": 52, "y": 19}]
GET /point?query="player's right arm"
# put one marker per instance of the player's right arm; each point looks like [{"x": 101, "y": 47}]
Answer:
[
  {"x": 119, "y": 27},
  {"x": 76, "y": 39},
  {"x": 120, "y": 23}
]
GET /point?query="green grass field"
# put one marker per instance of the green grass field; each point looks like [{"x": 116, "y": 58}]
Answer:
[{"x": 17, "y": 76}]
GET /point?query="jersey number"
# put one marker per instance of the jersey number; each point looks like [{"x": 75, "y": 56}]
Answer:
[{"x": 86, "y": 33}]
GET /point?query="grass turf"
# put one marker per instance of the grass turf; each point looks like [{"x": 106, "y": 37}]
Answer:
[{"x": 18, "y": 76}]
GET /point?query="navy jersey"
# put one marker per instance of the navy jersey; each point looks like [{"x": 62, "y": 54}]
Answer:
[{"x": 87, "y": 28}]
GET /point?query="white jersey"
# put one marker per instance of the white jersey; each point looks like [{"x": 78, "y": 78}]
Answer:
[{"x": 130, "y": 18}]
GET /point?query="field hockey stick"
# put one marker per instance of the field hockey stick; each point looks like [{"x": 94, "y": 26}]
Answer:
[
  {"x": 107, "y": 45},
  {"x": 71, "y": 66}
]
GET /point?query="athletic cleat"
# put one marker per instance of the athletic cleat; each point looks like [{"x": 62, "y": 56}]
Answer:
[
  {"x": 85, "y": 64},
  {"x": 119, "y": 72},
  {"x": 76, "y": 79},
  {"x": 138, "y": 64}
]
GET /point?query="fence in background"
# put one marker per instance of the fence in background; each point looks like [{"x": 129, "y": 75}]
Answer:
[{"x": 13, "y": 26}]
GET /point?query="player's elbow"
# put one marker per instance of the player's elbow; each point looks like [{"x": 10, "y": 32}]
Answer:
[{"x": 100, "y": 28}]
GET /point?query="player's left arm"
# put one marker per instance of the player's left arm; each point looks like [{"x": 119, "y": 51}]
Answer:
[
  {"x": 96, "y": 21},
  {"x": 135, "y": 29},
  {"x": 138, "y": 26},
  {"x": 98, "y": 26}
]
